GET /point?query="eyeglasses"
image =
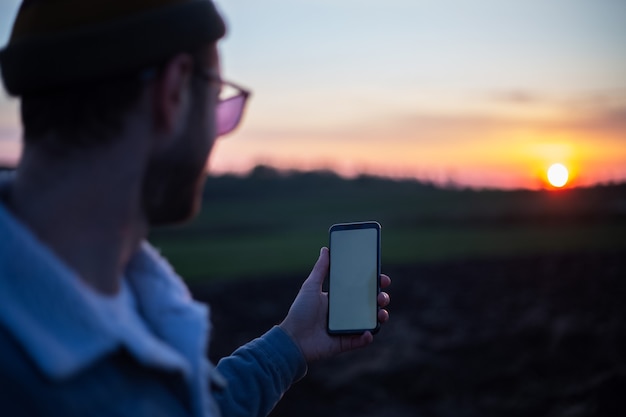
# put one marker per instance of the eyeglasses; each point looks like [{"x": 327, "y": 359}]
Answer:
[{"x": 231, "y": 103}]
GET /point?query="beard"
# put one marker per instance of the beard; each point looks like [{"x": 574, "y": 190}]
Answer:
[
  {"x": 172, "y": 191},
  {"x": 172, "y": 188}
]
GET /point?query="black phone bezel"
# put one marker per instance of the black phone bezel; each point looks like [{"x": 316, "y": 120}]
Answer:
[{"x": 355, "y": 226}]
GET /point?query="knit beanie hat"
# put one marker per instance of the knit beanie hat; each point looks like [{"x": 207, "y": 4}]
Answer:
[{"x": 60, "y": 43}]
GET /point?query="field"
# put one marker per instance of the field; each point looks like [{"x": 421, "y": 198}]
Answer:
[
  {"x": 503, "y": 303},
  {"x": 273, "y": 223},
  {"x": 543, "y": 335}
]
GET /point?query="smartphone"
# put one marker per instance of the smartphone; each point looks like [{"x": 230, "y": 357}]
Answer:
[{"x": 354, "y": 278}]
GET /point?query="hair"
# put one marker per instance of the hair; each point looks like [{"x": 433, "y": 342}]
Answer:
[
  {"x": 86, "y": 115},
  {"x": 79, "y": 115}
]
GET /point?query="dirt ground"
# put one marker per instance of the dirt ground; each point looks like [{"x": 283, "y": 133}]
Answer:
[{"x": 537, "y": 336}]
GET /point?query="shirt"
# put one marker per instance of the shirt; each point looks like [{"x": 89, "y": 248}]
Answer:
[{"x": 64, "y": 327}]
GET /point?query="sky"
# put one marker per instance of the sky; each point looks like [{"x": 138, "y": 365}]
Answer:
[{"x": 482, "y": 93}]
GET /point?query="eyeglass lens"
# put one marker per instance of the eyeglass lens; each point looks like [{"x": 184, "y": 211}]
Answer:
[{"x": 229, "y": 112}]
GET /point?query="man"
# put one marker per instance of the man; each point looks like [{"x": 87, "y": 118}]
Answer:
[{"x": 121, "y": 106}]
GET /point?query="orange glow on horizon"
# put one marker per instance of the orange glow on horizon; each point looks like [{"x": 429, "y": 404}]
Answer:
[{"x": 500, "y": 158}]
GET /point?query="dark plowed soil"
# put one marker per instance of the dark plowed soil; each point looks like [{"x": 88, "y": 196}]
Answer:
[{"x": 539, "y": 336}]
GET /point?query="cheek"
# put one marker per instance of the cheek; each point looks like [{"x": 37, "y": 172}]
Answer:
[
  {"x": 203, "y": 151},
  {"x": 210, "y": 120},
  {"x": 200, "y": 138},
  {"x": 209, "y": 123}
]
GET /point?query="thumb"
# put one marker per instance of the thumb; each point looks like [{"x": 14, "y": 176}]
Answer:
[{"x": 319, "y": 272}]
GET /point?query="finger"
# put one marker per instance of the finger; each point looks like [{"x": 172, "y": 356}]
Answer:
[
  {"x": 383, "y": 299},
  {"x": 383, "y": 315},
  {"x": 355, "y": 342},
  {"x": 385, "y": 281},
  {"x": 319, "y": 272}
]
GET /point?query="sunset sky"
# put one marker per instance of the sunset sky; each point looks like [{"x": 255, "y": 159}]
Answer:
[{"x": 477, "y": 92}]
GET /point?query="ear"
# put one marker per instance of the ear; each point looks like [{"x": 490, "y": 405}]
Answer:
[{"x": 172, "y": 95}]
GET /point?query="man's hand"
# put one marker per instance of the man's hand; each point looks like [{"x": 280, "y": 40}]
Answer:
[{"x": 306, "y": 320}]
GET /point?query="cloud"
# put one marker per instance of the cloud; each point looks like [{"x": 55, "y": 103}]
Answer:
[
  {"x": 516, "y": 97},
  {"x": 443, "y": 129},
  {"x": 9, "y": 134},
  {"x": 450, "y": 129},
  {"x": 610, "y": 121},
  {"x": 597, "y": 115}
]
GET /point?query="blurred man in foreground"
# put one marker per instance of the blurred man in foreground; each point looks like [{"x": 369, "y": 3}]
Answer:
[{"x": 121, "y": 104}]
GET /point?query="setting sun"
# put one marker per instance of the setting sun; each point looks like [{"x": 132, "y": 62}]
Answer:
[{"x": 557, "y": 175}]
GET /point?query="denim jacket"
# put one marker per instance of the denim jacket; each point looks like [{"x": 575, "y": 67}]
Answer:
[{"x": 61, "y": 356}]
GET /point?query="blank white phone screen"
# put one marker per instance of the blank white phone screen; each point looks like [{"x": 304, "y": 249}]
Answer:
[{"x": 353, "y": 282}]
